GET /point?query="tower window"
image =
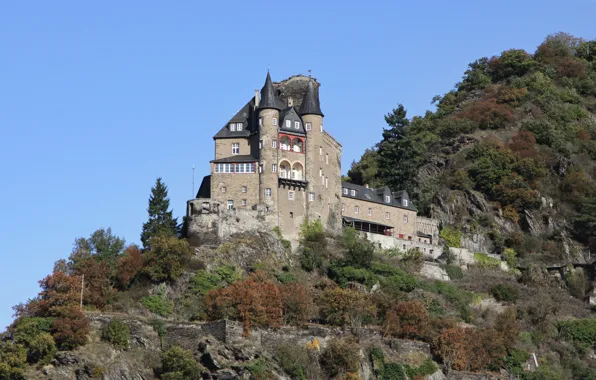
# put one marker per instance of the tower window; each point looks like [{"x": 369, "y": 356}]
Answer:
[
  {"x": 223, "y": 189},
  {"x": 268, "y": 192},
  {"x": 320, "y": 172},
  {"x": 274, "y": 168},
  {"x": 239, "y": 127},
  {"x": 321, "y": 127},
  {"x": 274, "y": 144},
  {"x": 387, "y": 199},
  {"x": 327, "y": 158},
  {"x": 405, "y": 219},
  {"x": 370, "y": 212},
  {"x": 297, "y": 125},
  {"x": 274, "y": 121},
  {"x": 291, "y": 215},
  {"x": 232, "y": 127},
  {"x": 230, "y": 204},
  {"x": 244, "y": 189},
  {"x": 260, "y": 121},
  {"x": 307, "y": 126},
  {"x": 288, "y": 124},
  {"x": 387, "y": 215},
  {"x": 261, "y": 144},
  {"x": 322, "y": 180},
  {"x": 311, "y": 197},
  {"x": 291, "y": 195},
  {"x": 244, "y": 202},
  {"x": 326, "y": 182},
  {"x": 356, "y": 209},
  {"x": 320, "y": 151},
  {"x": 260, "y": 168},
  {"x": 235, "y": 148},
  {"x": 343, "y": 207}
]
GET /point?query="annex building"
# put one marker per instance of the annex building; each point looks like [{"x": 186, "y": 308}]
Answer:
[{"x": 276, "y": 164}]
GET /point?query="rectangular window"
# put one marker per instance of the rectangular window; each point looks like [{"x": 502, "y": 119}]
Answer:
[
  {"x": 356, "y": 209},
  {"x": 274, "y": 168},
  {"x": 291, "y": 195},
  {"x": 327, "y": 182},
  {"x": 307, "y": 126},
  {"x": 274, "y": 121},
  {"x": 232, "y": 127},
  {"x": 239, "y": 127},
  {"x": 321, "y": 127},
  {"x": 261, "y": 144},
  {"x": 311, "y": 197},
  {"x": 274, "y": 144},
  {"x": 353, "y": 193},
  {"x": 405, "y": 202},
  {"x": 405, "y": 219},
  {"x": 223, "y": 189},
  {"x": 387, "y": 215},
  {"x": 322, "y": 180},
  {"x": 297, "y": 125},
  {"x": 260, "y": 121},
  {"x": 244, "y": 202},
  {"x": 235, "y": 148},
  {"x": 230, "y": 204},
  {"x": 320, "y": 151},
  {"x": 268, "y": 192},
  {"x": 244, "y": 189},
  {"x": 260, "y": 168},
  {"x": 370, "y": 212},
  {"x": 320, "y": 172},
  {"x": 288, "y": 124},
  {"x": 387, "y": 199},
  {"x": 327, "y": 159},
  {"x": 345, "y": 191},
  {"x": 291, "y": 215}
]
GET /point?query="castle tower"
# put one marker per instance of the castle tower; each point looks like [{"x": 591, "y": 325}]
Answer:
[{"x": 268, "y": 113}]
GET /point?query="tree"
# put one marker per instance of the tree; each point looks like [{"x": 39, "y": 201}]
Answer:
[
  {"x": 297, "y": 303},
  {"x": 167, "y": 258},
  {"x": 365, "y": 170},
  {"x": 160, "y": 220},
  {"x": 128, "y": 265},
  {"x": 340, "y": 358},
  {"x": 13, "y": 360},
  {"x": 345, "y": 307},
  {"x": 59, "y": 291},
  {"x": 407, "y": 320},
  {"x": 179, "y": 364},
  {"x": 70, "y": 330},
  {"x": 585, "y": 223},
  {"x": 103, "y": 245}
]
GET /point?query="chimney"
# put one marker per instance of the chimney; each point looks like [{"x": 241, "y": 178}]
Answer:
[
  {"x": 366, "y": 185},
  {"x": 256, "y": 98}
]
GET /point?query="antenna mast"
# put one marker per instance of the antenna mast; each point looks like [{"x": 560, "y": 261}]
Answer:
[{"x": 193, "y": 182}]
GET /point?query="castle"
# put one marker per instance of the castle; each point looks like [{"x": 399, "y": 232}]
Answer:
[{"x": 275, "y": 163}]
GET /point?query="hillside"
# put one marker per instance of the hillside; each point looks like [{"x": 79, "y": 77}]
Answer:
[{"x": 507, "y": 163}]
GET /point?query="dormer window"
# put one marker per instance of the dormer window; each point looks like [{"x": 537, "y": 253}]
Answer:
[
  {"x": 345, "y": 191},
  {"x": 307, "y": 126},
  {"x": 405, "y": 202},
  {"x": 288, "y": 124},
  {"x": 387, "y": 199},
  {"x": 238, "y": 127},
  {"x": 274, "y": 121},
  {"x": 232, "y": 127},
  {"x": 353, "y": 193},
  {"x": 297, "y": 125}
]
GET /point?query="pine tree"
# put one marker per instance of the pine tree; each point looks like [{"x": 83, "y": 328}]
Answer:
[{"x": 160, "y": 220}]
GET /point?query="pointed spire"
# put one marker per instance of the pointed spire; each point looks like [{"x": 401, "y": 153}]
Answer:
[
  {"x": 310, "y": 103},
  {"x": 268, "y": 95}
]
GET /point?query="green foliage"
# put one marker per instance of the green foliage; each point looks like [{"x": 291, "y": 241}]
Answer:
[
  {"x": 457, "y": 298},
  {"x": 285, "y": 277},
  {"x": 161, "y": 221},
  {"x": 395, "y": 371},
  {"x": 514, "y": 62},
  {"x": 454, "y": 272},
  {"x": 293, "y": 359},
  {"x": 515, "y": 360},
  {"x": 313, "y": 244},
  {"x": 577, "y": 283},
  {"x": 13, "y": 359},
  {"x": 286, "y": 243},
  {"x": 102, "y": 245},
  {"x": 451, "y": 236},
  {"x": 158, "y": 303},
  {"x": 359, "y": 250},
  {"x": 505, "y": 293},
  {"x": 258, "y": 368},
  {"x": 579, "y": 330},
  {"x": 117, "y": 333},
  {"x": 510, "y": 258},
  {"x": 33, "y": 333},
  {"x": 167, "y": 258},
  {"x": 585, "y": 223},
  {"x": 394, "y": 279},
  {"x": 484, "y": 260},
  {"x": 340, "y": 357},
  {"x": 365, "y": 171},
  {"x": 345, "y": 274},
  {"x": 179, "y": 364}
]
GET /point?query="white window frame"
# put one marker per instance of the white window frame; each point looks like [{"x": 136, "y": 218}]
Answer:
[
  {"x": 291, "y": 195},
  {"x": 405, "y": 219},
  {"x": 405, "y": 202},
  {"x": 356, "y": 209},
  {"x": 274, "y": 121},
  {"x": 320, "y": 172},
  {"x": 311, "y": 197},
  {"x": 387, "y": 199},
  {"x": 353, "y": 193},
  {"x": 387, "y": 215},
  {"x": 288, "y": 124},
  {"x": 323, "y": 180},
  {"x": 370, "y": 212},
  {"x": 307, "y": 126},
  {"x": 244, "y": 189},
  {"x": 260, "y": 144},
  {"x": 320, "y": 151},
  {"x": 321, "y": 127},
  {"x": 223, "y": 189},
  {"x": 274, "y": 168},
  {"x": 268, "y": 192},
  {"x": 260, "y": 168},
  {"x": 274, "y": 144},
  {"x": 343, "y": 207},
  {"x": 260, "y": 121},
  {"x": 239, "y": 127},
  {"x": 326, "y": 182},
  {"x": 232, "y": 127},
  {"x": 243, "y": 202},
  {"x": 235, "y": 148},
  {"x": 345, "y": 191},
  {"x": 296, "y": 125},
  {"x": 230, "y": 204},
  {"x": 326, "y": 158}
]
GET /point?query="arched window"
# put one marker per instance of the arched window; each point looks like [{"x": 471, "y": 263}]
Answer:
[
  {"x": 297, "y": 171},
  {"x": 284, "y": 169},
  {"x": 297, "y": 145},
  {"x": 284, "y": 143}
]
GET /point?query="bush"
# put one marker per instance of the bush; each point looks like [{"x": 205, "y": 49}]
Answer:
[
  {"x": 579, "y": 330},
  {"x": 117, "y": 333},
  {"x": 297, "y": 303},
  {"x": 510, "y": 258},
  {"x": 294, "y": 360},
  {"x": 454, "y": 272},
  {"x": 340, "y": 357},
  {"x": 346, "y": 274},
  {"x": 505, "y": 293},
  {"x": 13, "y": 360},
  {"x": 342, "y": 307},
  {"x": 485, "y": 261},
  {"x": 359, "y": 251},
  {"x": 71, "y": 329},
  {"x": 158, "y": 304},
  {"x": 407, "y": 320},
  {"x": 167, "y": 258},
  {"x": 33, "y": 333},
  {"x": 451, "y": 236},
  {"x": 179, "y": 364}
]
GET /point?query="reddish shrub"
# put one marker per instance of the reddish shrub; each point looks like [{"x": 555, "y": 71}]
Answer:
[
  {"x": 129, "y": 265},
  {"x": 583, "y": 135},
  {"x": 487, "y": 114},
  {"x": 254, "y": 301},
  {"x": 407, "y": 320},
  {"x": 471, "y": 350},
  {"x": 98, "y": 287},
  {"x": 297, "y": 303},
  {"x": 524, "y": 144},
  {"x": 70, "y": 330},
  {"x": 59, "y": 291}
]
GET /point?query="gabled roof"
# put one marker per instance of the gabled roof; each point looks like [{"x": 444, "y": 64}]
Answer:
[
  {"x": 378, "y": 195},
  {"x": 205, "y": 189},
  {"x": 290, "y": 114},
  {"x": 268, "y": 95},
  {"x": 246, "y": 116},
  {"x": 310, "y": 103}
]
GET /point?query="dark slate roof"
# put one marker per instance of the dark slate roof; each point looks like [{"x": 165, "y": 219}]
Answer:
[
  {"x": 268, "y": 95},
  {"x": 247, "y": 116},
  {"x": 236, "y": 158},
  {"x": 310, "y": 103},
  {"x": 378, "y": 195},
  {"x": 290, "y": 114},
  {"x": 350, "y": 220},
  {"x": 205, "y": 189}
]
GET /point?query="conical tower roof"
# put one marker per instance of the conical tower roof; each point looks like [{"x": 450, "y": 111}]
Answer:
[
  {"x": 310, "y": 103},
  {"x": 268, "y": 98}
]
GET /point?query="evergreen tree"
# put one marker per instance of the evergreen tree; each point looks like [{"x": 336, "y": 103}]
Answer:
[{"x": 160, "y": 220}]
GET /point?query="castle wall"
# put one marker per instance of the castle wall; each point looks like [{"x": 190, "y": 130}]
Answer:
[
  {"x": 396, "y": 216},
  {"x": 428, "y": 226},
  {"x": 291, "y": 213},
  {"x": 233, "y": 183},
  {"x": 429, "y": 251},
  {"x": 223, "y": 147},
  {"x": 268, "y": 156}
]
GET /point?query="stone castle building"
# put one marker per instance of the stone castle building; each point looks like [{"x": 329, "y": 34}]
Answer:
[{"x": 275, "y": 165}]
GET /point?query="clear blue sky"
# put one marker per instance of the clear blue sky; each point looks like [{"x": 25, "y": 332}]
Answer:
[{"x": 98, "y": 99}]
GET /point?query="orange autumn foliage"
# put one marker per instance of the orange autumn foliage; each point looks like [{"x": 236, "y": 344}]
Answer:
[
  {"x": 524, "y": 144},
  {"x": 488, "y": 114},
  {"x": 297, "y": 303},
  {"x": 129, "y": 265},
  {"x": 254, "y": 301},
  {"x": 98, "y": 287},
  {"x": 59, "y": 291},
  {"x": 71, "y": 329},
  {"x": 408, "y": 319},
  {"x": 467, "y": 349}
]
